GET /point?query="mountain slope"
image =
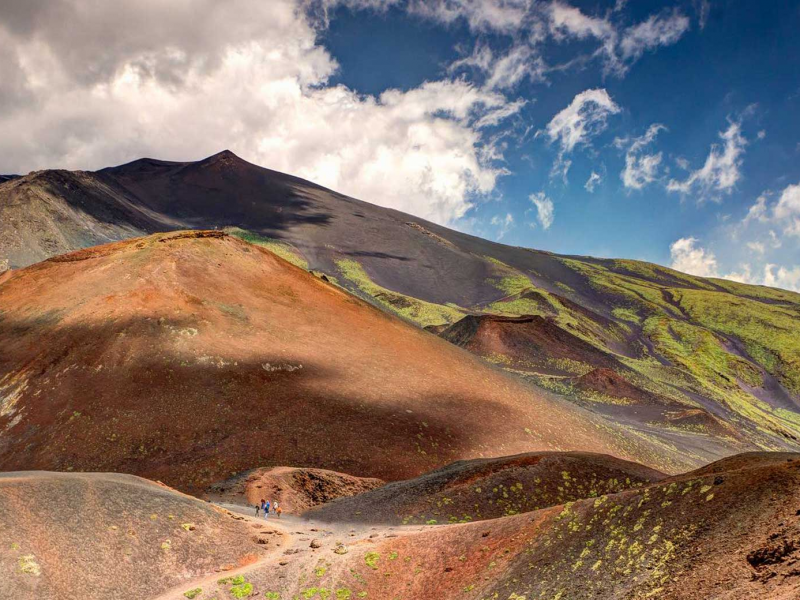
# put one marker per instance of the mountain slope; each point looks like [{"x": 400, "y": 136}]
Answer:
[
  {"x": 103, "y": 535},
  {"x": 188, "y": 356},
  {"x": 488, "y": 488},
  {"x": 731, "y": 535},
  {"x": 716, "y": 363}
]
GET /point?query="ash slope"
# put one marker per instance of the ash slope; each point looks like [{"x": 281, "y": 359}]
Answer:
[
  {"x": 715, "y": 364},
  {"x": 187, "y": 356},
  {"x": 110, "y": 536},
  {"x": 727, "y": 532},
  {"x": 733, "y": 535},
  {"x": 488, "y": 488}
]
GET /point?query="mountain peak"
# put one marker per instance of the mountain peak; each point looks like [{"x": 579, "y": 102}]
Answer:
[{"x": 224, "y": 154}]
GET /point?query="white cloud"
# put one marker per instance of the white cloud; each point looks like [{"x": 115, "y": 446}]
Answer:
[
  {"x": 568, "y": 20},
  {"x": 783, "y": 214},
  {"x": 757, "y": 247},
  {"x": 544, "y": 209},
  {"x": 584, "y": 118},
  {"x": 787, "y": 278},
  {"x": 722, "y": 169},
  {"x": 782, "y": 277},
  {"x": 688, "y": 257},
  {"x": 657, "y": 30},
  {"x": 505, "y": 16},
  {"x": 640, "y": 169},
  {"x": 520, "y": 63},
  {"x": 504, "y": 224},
  {"x": 530, "y": 22},
  {"x": 787, "y": 211},
  {"x": 758, "y": 211},
  {"x": 703, "y": 7},
  {"x": 91, "y": 84},
  {"x": 594, "y": 180},
  {"x": 504, "y": 71}
]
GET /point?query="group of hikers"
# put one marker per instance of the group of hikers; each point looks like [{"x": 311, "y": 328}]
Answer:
[{"x": 265, "y": 507}]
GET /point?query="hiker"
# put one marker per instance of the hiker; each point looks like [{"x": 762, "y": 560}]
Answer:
[
  {"x": 264, "y": 507},
  {"x": 266, "y": 510},
  {"x": 278, "y": 510},
  {"x": 257, "y": 509}
]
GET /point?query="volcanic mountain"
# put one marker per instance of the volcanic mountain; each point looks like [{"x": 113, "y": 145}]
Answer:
[
  {"x": 715, "y": 364},
  {"x": 191, "y": 355}
]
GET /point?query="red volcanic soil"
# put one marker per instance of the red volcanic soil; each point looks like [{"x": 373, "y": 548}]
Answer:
[
  {"x": 488, "y": 488},
  {"x": 110, "y": 536},
  {"x": 610, "y": 383},
  {"x": 734, "y": 535},
  {"x": 294, "y": 489},
  {"x": 192, "y": 356},
  {"x": 729, "y": 535},
  {"x": 524, "y": 341},
  {"x": 729, "y": 531}
]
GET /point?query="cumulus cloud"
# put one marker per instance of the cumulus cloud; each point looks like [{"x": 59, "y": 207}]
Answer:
[
  {"x": 772, "y": 275},
  {"x": 721, "y": 170},
  {"x": 584, "y": 118},
  {"x": 545, "y": 212},
  {"x": 782, "y": 277},
  {"x": 641, "y": 168},
  {"x": 787, "y": 211},
  {"x": 88, "y": 84},
  {"x": 689, "y": 257}
]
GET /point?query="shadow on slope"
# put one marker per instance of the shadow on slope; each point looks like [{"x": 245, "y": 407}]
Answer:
[{"x": 191, "y": 355}]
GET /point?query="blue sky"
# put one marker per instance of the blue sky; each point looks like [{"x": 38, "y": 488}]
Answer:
[
  {"x": 663, "y": 131},
  {"x": 742, "y": 66}
]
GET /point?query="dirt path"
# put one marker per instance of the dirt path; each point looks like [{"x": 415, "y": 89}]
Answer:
[{"x": 293, "y": 540}]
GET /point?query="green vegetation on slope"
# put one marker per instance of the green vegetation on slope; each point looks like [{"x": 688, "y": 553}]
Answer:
[
  {"x": 420, "y": 312},
  {"x": 768, "y": 332},
  {"x": 283, "y": 249}
]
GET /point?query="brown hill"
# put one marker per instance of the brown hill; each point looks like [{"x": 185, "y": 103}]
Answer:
[
  {"x": 488, "y": 488},
  {"x": 731, "y": 536},
  {"x": 186, "y": 357},
  {"x": 110, "y": 536},
  {"x": 727, "y": 350},
  {"x": 527, "y": 340},
  {"x": 295, "y": 489}
]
